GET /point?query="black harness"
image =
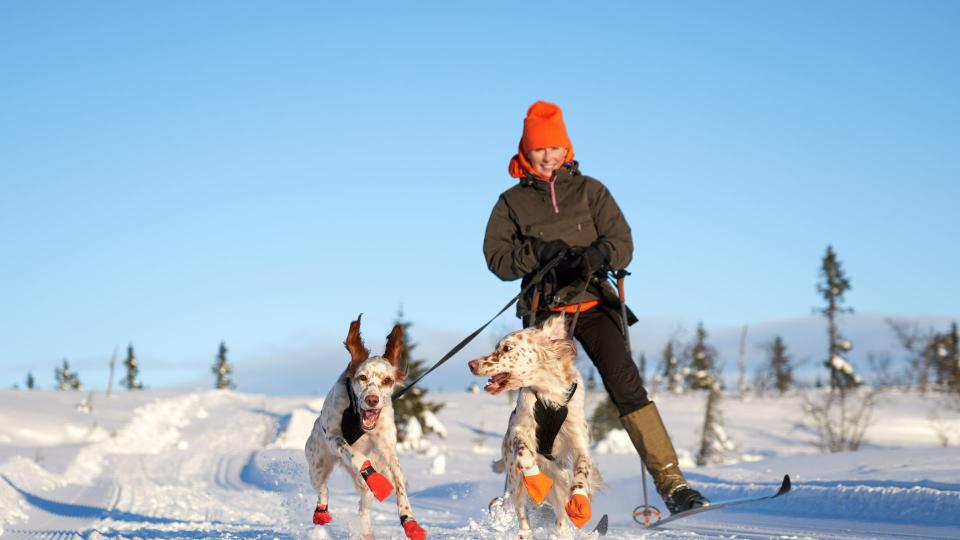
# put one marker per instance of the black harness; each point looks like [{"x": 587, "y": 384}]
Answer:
[
  {"x": 549, "y": 420},
  {"x": 350, "y": 422}
]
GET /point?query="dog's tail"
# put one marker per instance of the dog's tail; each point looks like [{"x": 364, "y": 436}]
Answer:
[{"x": 498, "y": 466}]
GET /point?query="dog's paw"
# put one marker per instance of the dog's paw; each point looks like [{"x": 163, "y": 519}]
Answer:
[
  {"x": 321, "y": 516},
  {"x": 378, "y": 483},
  {"x": 413, "y": 530},
  {"x": 578, "y": 509},
  {"x": 538, "y": 484}
]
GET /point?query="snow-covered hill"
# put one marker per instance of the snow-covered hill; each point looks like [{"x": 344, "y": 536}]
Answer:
[{"x": 219, "y": 464}]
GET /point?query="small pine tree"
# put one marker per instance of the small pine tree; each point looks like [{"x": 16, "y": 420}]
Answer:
[
  {"x": 670, "y": 368},
  {"x": 942, "y": 353},
  {"x": 604, "y": 419},
  {"x": 702, "y": 360},
  {"x": 781, "y": 370},
  {"x": 715, "y": 445},
  {"x": 222, "y": 369},
  {"x": 30, "y": 381},
  {"x": 834, "y": 285},
  {"x": 413, "y": 404},
  {"x": 67, "y": 379},
  {"x": 951, "y": 363},
  {"x": 58, "y": 375},
  {"x": 133, "y": 370}
]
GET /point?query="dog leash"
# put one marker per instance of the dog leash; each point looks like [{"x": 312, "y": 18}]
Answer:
[{"x": 533, "y": 281}]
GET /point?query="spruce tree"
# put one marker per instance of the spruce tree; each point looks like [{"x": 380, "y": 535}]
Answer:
[
  {"x": 133, "y": 370},
  {"x": 605, "y": 418},
  {"x": 30, "y": 381},
  {"x": 413, "y": 404},
  {"x": 703, "y": 361},
  {"x": 67, "y": 379},
  {"x": 780, "y": 370},
  {"x": 670, "y": 368},
  {"x": 943, "y": 355},
  {"x": 222, "y": 369},
  {"x": 715, "y": 445},
  {"x": 952, "y": 359},
  {"x": 72, "y": 378},
  {"x": 834, "y": 285}
]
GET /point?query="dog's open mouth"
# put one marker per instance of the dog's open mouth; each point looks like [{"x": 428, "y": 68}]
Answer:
[
  {"x": 497, "y": 383},
  {"x": 368, "y": 418}
]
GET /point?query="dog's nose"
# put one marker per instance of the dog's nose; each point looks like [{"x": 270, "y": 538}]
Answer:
[{"x": 371, "y": 400}]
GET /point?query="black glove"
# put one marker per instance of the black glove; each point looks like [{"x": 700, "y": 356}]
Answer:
[
  {"x": 594, "y": 258},
  {"x": 546, "y": 251}
]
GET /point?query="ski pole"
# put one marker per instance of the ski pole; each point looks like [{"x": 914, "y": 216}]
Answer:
[{"x": 647, "y": 512}]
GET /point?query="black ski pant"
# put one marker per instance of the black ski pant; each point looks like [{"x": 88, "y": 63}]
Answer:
[{"x": 598, "y": 331}]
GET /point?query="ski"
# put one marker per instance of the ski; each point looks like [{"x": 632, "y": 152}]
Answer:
[
  {"x": 784, "y": 489},
  {"x": 601, "y": 528}
]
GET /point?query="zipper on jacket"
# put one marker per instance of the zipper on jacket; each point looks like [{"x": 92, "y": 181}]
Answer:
[{"x": 553, "y": 195}]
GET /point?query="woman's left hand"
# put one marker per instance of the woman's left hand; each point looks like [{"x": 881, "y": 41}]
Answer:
[{"x": 593, "y": 259}]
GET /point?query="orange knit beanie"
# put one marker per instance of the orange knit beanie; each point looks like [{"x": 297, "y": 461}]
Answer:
[{"x": 542, "y": 128}]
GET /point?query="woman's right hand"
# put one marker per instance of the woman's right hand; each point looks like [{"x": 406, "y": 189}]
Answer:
[{"x": 546, "y": 251}]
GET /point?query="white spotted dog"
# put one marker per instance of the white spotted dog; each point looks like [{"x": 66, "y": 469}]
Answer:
[
  {"x": 547, "y": 433},
  {"x": 356, "y": 429}
]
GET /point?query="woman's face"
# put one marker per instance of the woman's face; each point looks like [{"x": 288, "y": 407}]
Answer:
[{"x": 546, "y": 160}]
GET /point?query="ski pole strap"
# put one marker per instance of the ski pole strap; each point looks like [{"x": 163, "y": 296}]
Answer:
[{"x": 463, "y": 343}]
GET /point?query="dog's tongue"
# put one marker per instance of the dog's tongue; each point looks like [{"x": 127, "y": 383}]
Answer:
[
  {"x": 369, "y": 418},
  {"x": 496, "y": 383}
]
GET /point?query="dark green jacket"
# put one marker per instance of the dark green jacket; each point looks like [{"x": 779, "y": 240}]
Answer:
[{"x": 579, "y": 211}]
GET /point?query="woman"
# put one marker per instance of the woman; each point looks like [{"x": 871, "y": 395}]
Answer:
[{"x": 554, "y": 211}]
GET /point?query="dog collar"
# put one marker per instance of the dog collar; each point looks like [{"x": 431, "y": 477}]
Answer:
[
  {"x": 350, "y": 421},
  {"x": 549, "y": 420}
]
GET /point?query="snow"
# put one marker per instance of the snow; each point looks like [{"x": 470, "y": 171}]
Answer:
[{"x": 223, "y": 464}]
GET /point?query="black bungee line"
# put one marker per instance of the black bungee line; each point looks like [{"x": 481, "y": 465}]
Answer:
[{"x": 533, "y": 281}]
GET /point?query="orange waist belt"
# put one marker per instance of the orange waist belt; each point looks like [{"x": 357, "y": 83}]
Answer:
[{"x": 572, "y": 308}]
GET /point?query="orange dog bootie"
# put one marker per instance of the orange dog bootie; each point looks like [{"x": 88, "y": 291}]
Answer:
[
  {"x": 578, "y": 508},
  {"x": 321, "y": 516},
  {"x": 378, "y": 483},
  {"x": 537, "y": 483}
]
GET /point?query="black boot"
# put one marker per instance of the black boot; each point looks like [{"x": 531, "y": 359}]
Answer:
[{"x": 685, "y": 498}]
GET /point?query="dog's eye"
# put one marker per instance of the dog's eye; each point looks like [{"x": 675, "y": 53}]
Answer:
[
  {"x": 388, "y": 381},
  {"x": 362, "y": 378},
  {"x": 506, "y": 348}
]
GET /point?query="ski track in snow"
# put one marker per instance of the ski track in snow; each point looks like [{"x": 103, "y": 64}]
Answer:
[{"x": 217, "y": 464}]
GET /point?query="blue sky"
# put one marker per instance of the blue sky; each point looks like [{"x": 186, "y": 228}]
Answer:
[{"x": 175, "y": 174}]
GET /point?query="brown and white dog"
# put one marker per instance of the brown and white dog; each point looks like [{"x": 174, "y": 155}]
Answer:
[
  {"x": 356, "y": 429},
  {"x": 547, "y": 433}
]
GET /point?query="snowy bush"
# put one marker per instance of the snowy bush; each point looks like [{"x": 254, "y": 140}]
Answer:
[{"x": 616, "y": 441}]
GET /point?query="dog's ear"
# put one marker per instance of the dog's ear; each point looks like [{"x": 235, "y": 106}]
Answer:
[
  {"x": 354, "y": 343},
  {"x": 555, "y": 327},
  {"x": 394, "y": 347}
]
